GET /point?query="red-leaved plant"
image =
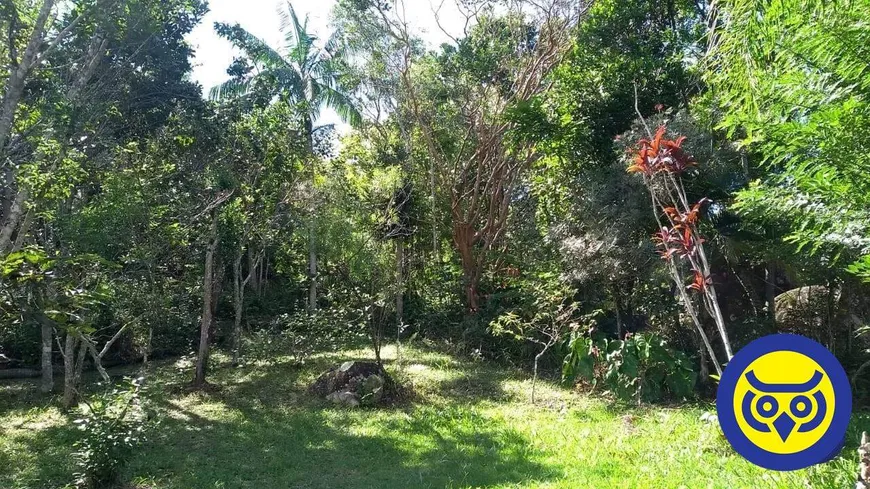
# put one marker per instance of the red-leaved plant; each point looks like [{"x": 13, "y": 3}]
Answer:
[{"x": 662, "y": 163}]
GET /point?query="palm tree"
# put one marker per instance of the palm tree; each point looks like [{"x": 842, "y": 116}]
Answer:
[{"x": 306, "y": 75}]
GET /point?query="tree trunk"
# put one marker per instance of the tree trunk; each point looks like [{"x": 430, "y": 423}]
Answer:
[
  {"x": 147, "y": 349},
  {"x": 312, "y": 269},
  {"x": 704, "y": 369},
  {"x": 238, "y": 304},
  {"x": 80, "y": 365},
  {"x": 17, "y": 78},
  {"x": 535, "y": 374},
  {"x": 400, "y": 282},
  {"x": 308, "y": 125},
  {"x": 72, "y": 369},
  {"x": 264, "y": 275},
  {"x": 22, "y": 232},
  {"x": 11, "y": 98},
  {"x": 254, "y": 269},
  {"x": 463, "y": 237},
  {"x": 770, "y": 291},
  {"x": 434, "y": 216},
  {"x": 864, "y": 463},
  {"x": 12, "y": 220},
  {"x": 47, "y": 384},
  {"x": 617, "y": 304},
  {"x": 207, "y": 297}
]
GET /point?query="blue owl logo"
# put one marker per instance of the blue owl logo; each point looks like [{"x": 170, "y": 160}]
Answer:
[{"x": 784, "y": 402}]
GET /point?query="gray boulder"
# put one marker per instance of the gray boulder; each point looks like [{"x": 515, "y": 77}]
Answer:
[{"x": 353, "y": 383}]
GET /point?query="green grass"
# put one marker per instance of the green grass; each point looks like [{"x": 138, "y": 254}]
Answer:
[{"x": 469, "y": 425}]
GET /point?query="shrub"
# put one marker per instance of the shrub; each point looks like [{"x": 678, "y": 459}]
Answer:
[
  {"x": 113, "y": 424},
  {"x": 299, "y": 335},
  {"x": 640, "y": 367}
]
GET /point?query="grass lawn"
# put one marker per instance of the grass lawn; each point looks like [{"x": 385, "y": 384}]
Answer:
[{"x": 470, "y": 425}]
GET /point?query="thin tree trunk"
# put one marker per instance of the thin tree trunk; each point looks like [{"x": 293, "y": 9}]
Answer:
[
  {"x": 535, "y": 375},
  {"x": 770, "y": 291},
  {"x": 264, "y": 275},
  {"x": 80, "y": 365},
  {"x": 434, "y": 216},
  {"x": 238, "y": 304},
  {"x": 47, "y": 384},
  {"x": 147, "y": 349},
  {"x": 400, "y": 282},
  {"x": 618, "y": 307},
  {"x": 312, "y": 269},
  {"x": 207, "y": 297},
  {"x": 12, "y": 97},
  {"x": 12, "y": 220},
  {"x": 704, "y": 369},
  {"x": 864, "y": 463},
  {"x": 69, "y": 368},
  {"x": 98, "y": 360},
  {"x": 254, "y": 270},
  {"x": 17, "y": 78},
  {"x": 690, "y": 309},
  {"x": 535, "y": 370},
  {"x": 22, "y": 232},
  {"x": 312, "y": 241}
]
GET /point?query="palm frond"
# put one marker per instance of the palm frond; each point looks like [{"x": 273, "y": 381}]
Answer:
[
  {"x": 255, "y": 48},
  {"x": 298, "y": 41},
  {"x": 228, "y": 90},
  {"x": 334, "y": 45},
  {"x": 290, "y": 82},
  {"x": 342, "y": 104}
]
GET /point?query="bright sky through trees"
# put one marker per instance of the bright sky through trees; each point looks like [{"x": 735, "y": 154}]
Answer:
[{"x": 259, "y": 17}]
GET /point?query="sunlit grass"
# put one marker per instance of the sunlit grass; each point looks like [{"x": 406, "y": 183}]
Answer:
[{"x": 469, "y": 424}]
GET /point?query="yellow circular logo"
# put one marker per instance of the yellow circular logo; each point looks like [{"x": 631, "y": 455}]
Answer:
[{"x": 782, "y": 402}]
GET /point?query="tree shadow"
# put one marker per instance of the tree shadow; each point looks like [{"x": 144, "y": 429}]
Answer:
[
  {"x": 267, "y": 433},
  {"x": 39, "y": 456}
]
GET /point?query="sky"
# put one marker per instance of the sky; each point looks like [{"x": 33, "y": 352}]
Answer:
[{"x": 259, "y": 17}]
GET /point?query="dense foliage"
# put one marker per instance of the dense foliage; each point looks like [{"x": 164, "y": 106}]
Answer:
[{"x": 480, "y": 195}]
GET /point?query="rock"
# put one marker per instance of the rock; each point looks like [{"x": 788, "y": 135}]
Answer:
[
  {"x": 346, "y": 398},
  {"x": 372, "y": 389},
  {"x": 353, "y": 383}
]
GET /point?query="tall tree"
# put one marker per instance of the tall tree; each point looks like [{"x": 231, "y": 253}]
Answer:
[
  {"x": 792, "y": 82},
  {"x": 304, "y": 74}
]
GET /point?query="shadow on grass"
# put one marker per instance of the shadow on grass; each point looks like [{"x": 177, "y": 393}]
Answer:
[
  {"x": 266, "y": 432},
  {"x": 37, "y": 458}
]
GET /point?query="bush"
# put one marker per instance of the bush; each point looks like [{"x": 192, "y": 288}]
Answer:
[
  {"x": 299, "y": 335},
  {"x": 641, "y": 367},
  {"x": 113, "y": 424}
]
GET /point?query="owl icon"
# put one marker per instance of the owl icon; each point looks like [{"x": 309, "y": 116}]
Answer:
[
  {"x": 784, "y": 408},
  {"x": 784, "y": 402}
]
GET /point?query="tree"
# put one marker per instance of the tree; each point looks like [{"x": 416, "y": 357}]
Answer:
[
  {"x": 70, "y": 100},
  {"x": 791, "y": 80},
  {"x": 469, "y": 102},
  {"x": 263, "y": 165},
  {"x": 305, "y": 75}
]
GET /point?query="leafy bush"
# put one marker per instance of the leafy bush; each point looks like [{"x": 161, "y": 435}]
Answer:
[
  {"x": 641, "y": 367},
  {"x": 299, "y": 335},
  {"x": 113, "y": 424}
]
